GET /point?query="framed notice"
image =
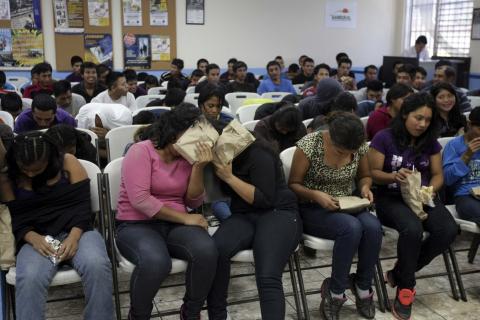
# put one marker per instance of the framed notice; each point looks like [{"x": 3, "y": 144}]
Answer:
[
  {"x": 195, "y": 12},
  {"x": 476, "y": 24}
]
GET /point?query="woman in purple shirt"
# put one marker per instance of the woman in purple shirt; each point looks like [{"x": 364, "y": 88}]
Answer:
[
  {"x": 152, "y": 220},
  {"x": 410, "y": 143}
]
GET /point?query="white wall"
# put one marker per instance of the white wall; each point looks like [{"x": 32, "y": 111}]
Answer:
[{"x": 258, "y": 30}]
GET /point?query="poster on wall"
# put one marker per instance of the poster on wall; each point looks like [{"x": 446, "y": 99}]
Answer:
[
  {"x": 27, "y": 47},
  {"x": 98, "y": 49},
  {"x": 158, "y": 13},
  {"x": 476, "y": 24},
  {"x": 341, "y": 14},
  {"x": 98, "y": 13},
  {"x": 26, "y": 14},
  {"x": 160, "y": 48},
  {"x": 132, "y": 13},
  {"x": 195, "y": 12},
  {"x": 4, "y": 9},
  {"x": 68, "y": 16},
  {"x": 137, "y": 51},
  {"x": 6, "y": 56}
]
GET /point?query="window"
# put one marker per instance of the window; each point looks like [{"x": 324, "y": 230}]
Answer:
[{"x": 446, "y": 24}]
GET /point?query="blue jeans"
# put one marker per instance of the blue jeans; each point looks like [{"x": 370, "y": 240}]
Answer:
[
  {"x": 360, "y": 232},
  {"x": 273, "y": 236},
  {"x": 35, "y": 272},
  {"x": 149, "y": 246},
  {"x": 468, "y": 208}
]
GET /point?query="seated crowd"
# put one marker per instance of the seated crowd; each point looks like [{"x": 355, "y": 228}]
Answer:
[{"x": 47, "y": 192}]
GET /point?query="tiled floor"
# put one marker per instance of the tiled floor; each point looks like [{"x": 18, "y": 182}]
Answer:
[{"x": 433, "y": 301}]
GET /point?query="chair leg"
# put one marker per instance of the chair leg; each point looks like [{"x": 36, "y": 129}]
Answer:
[
  {"x": 294, "y": 287},
  {"x": 472, "y": 252},
  {"x": 306, "y": 313},
  {"x": 453, "y": 286},
  {"x": 381, "y": 304},
  {"x": 10, "y": 295},
  {"x": 458, "y": 275},
  {"x": 386, "y": 299}
]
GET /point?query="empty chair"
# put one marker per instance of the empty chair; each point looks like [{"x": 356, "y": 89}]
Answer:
[
  {"x": 157, "y": 90},
  {"x": 118, "y": 138},
  {"x": 7, "y": 118},
  {"x": 192, "y": 98},
  {"x": 275, "y": 96},
  {"x": 235, "y": 99},
  {"x": 142, "y": 101},
  {"x": 247, "y": 113}
]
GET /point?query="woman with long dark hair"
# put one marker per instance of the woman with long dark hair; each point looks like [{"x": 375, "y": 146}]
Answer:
[
  {"x": 410, "y": 144},
  {"x": 451, "y": 120},
  {"x": 48, "y": 194}
]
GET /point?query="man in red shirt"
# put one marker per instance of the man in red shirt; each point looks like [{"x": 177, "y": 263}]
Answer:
[
  {"x": 381, "y": 118},
  {"x": 45, "y": 82}
]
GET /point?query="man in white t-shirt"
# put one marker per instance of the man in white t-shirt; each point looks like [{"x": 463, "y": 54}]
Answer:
[
  {"x": 419, "y": 50},
  {"x": 117, "y": 92}
]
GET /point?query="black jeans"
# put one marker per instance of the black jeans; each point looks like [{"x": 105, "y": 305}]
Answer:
[
  {"x": 273, "y": 235},
  {"x": 413, "y": 253},
  {"x": 149, "y": 245},
  {"x": 468, "y": 208},
  {"x": 360, "y": 232}
]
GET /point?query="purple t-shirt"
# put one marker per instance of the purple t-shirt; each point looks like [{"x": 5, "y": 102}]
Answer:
[{"x": 395, "y": 159}]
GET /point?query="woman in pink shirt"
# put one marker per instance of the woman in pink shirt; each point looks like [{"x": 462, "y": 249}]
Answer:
[{"x": 152, "y": 220}]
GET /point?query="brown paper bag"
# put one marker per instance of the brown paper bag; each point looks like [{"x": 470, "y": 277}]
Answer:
[
  {"x": 352, "y": 204},
  {"x": 201, "y": 131},
  {"x": 475, "y": 192},
  {"x": 7, "y": 240},
  {"x": 233, "y": 140},
  {"x": 415, "y": 196}
]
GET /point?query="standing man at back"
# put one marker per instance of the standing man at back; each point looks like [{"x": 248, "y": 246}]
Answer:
[{"x": 419, "y": 50}]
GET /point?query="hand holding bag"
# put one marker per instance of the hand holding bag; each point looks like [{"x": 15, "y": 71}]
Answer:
[
  {"x": 201, "y": 131},
  {"x": 415, "y": 195},
  {"x": 233, "y": 140}
]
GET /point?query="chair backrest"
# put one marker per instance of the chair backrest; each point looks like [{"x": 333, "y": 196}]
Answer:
[
  {"x": 190, "y": 90},
  {"x": 298, "y": 87},
  {"x": 17, "y": 81},
  {"x": 287, "y": 156},
  {"x": 114, "y": 172},
  {"x": 275, "y": 96},
  {"x": 192, "y": 98},
  {"x": 157, "y": 90},
  {"x": 306, "y": 122},
  {"x": 474, "y": 101},
  {"x": 364, "y": 121},
  {"x": 247, "y": 113},
  {"x": 26, "y": 103},
  {"x": 93, "y": 135},
  {"x": 142, "y": 101},
  {"x": 150, "y": 109},
  {"x": 118, "y": 138},
  {"x": 7, "y": 118},
  {"x": 250, "y": 125},
  {"x": 235, "y": 99},
  {"x": 92, "y": 171},
  {"x": 443, "y": 141}
]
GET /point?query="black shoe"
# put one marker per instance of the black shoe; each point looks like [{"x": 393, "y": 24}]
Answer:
[
  {"x": 402, "y": 306},
  {"x": 330, "y": 307},
  {"x": 365, "y": 306}
]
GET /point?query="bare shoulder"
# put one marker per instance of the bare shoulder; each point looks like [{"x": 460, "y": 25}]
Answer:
[{"x": 76, "y": 171}]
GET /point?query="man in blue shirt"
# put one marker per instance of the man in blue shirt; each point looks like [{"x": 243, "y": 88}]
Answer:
[{"x": 275, "y": 83}]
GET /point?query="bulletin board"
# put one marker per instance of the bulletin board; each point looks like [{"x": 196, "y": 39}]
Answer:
[
  {"x": 68, "y": 45},
  {"x": 148, "y": 29}
]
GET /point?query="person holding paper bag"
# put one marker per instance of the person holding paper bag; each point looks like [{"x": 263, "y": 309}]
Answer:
[
  {"x": 152, "y": 221},
  {"x": 410, "y": 143},
  {"x": 461, "y": 166},
  {"x": 265, "y": 219},
  {"x": 325, "y": 166}
]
